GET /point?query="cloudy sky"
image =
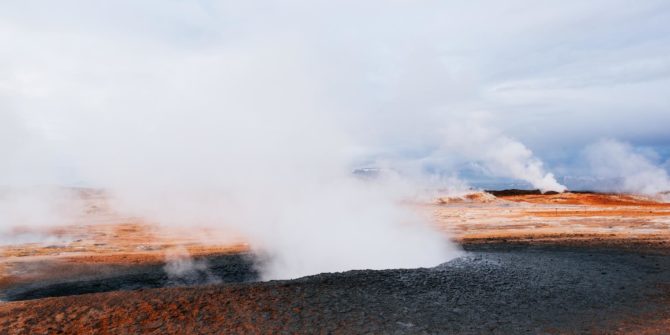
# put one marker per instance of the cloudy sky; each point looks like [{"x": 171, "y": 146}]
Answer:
[{"x": 87, "y": 82}]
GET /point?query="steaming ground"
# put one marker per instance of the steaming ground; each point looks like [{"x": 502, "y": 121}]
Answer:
[
  {"x": 183, "y": 271},
  {"x": 494, "y": 288},
  {"x": 554, "y": 263},
  {"x": 233, "y": 126}
]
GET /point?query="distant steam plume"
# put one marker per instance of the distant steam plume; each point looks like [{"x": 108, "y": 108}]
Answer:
[
  {"x": 626, "y": 170},
  {"x": 501, "y": 155}
]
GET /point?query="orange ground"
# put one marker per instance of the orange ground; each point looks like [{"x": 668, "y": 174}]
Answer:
[
  {"x": 574, "y": 219},
  {"x": 104, "y": 237},
  {"x": 568, "y": 218}
]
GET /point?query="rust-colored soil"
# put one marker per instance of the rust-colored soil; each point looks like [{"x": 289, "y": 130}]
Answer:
[
  {"x": 567, "y": 218},
  {"x": 161, "y": 311},
  {"x": 587, "y": 199},
  {"x": 620, "y": 221},
  {"x": 104, "y": 237},
  {"x": 115, "y": 245}
]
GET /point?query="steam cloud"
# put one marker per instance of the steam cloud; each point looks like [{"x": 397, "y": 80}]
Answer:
[
  {"x": 241, "y": 147},
  {"x": 627, "y": 170},
  {"x": 251, "y": 117},
  {"x": 501, "y": 155},
  {"x": 242, "y": 136}
]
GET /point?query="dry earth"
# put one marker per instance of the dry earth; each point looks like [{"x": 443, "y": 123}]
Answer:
[
  {"x": 615, "y": 220},
  {"x": 104, "y": 241}
]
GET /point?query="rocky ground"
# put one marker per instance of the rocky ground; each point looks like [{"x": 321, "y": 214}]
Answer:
[
  {"x": 211, "y": 269},
  {"x": 498, "y": 289},
  {"x": 557, "y": 263}
]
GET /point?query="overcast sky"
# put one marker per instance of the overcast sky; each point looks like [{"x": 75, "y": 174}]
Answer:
[{"x": 392, "y": 75}]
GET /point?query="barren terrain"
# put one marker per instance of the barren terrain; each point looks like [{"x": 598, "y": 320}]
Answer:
[
  {"x": 586, "y": 219},
  {"x": 554, "y": 263}
]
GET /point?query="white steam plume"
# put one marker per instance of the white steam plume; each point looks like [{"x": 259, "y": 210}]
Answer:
[
  {"x": 181, "y": 268},
  {"x": 626, "y": 169},
  {"x": 240, "y": 135},
  {"x": 501, "y": 155}
]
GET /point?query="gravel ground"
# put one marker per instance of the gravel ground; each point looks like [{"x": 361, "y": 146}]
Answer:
[
  {"x": 235, "y": 268},
  {"x": 498, "y": 289}
]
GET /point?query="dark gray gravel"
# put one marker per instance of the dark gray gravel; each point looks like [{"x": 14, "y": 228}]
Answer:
[
  {"x": 500, "y": 289},
  {"x": 236, "y": 268},
  {"x": 496, "y": 289}
]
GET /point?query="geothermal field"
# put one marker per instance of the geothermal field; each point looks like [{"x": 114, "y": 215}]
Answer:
[
  {"x": 526, "y": 263},
  {"x": 334, "y": 167}
]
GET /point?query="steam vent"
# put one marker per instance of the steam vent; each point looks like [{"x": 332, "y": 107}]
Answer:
[{"x": 321, "y": 167}]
